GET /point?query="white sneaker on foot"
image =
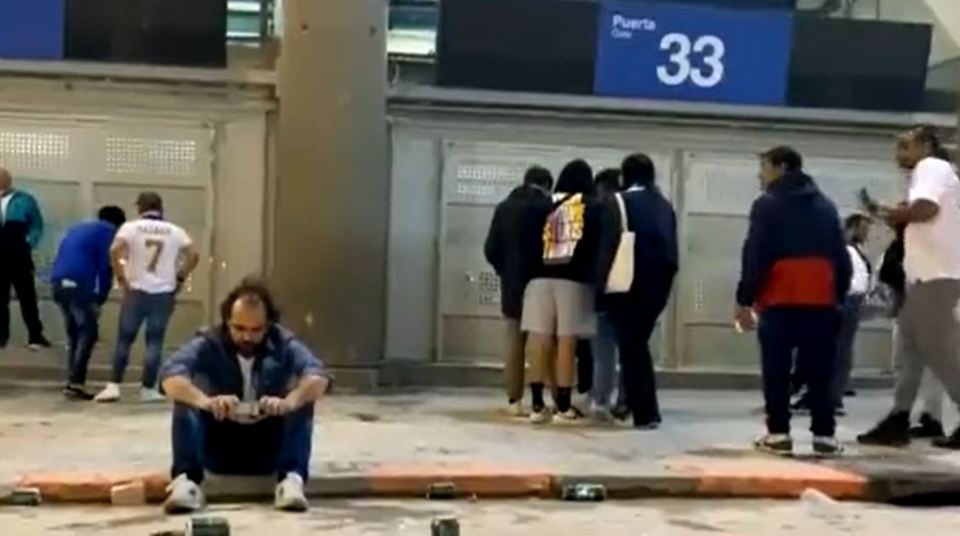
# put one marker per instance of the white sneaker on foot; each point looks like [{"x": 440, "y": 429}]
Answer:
[
  {"x": 184, "y": 496},
  {"x": 571, "y": 416},
  {"x": 151, "y": 396},
  {"x": 289, "y": 496},
  {"x": 541, "y": 417},
  {"x": 516, "y": 410},
  {"x": 110, "y": 393}
]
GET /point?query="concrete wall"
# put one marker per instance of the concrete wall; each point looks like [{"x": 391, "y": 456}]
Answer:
[{"x": 331, "y": 195}]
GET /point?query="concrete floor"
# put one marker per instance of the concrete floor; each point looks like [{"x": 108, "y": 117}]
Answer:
[{"x": 523, "y": 518}]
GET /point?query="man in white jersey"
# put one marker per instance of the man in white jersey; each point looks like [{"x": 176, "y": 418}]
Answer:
[
  {"x": 929, "y": 327},
  {"x": 151, "y": 258}
]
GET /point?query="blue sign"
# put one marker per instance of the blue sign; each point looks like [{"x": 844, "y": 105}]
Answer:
[
  {"x": 32, "y": 29},
  {"x": 693, "y": 53}
]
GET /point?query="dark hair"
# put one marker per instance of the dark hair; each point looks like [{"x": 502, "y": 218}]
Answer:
[
  {"x": 113, "y": 215},
  {"x": 638, "y": 170},
  {"x": 576, "y": 178},
  {"x": 608, "y": 180},
  {"x": 785, "y": 157},
  {"x": 927, "y": 135},
  {"x": 149, "y": 202},
  {"x": 853, "y": 220},
  {"x": 539, "y": 177},
  {"x": 253, "y": 290}
]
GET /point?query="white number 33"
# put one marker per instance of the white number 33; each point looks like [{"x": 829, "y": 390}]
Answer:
[{"x": 680, "y": 69}]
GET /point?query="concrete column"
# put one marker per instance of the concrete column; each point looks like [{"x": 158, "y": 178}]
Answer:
[{"x": 332, "y": 189}]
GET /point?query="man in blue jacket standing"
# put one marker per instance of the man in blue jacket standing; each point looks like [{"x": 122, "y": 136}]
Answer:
[
  {"x": 21, "y": 227},
  {"x": 81, "y": 280},
  {"x": 795, "y": 274}
]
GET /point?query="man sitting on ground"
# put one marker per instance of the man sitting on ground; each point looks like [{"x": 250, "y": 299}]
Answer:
[{"x": 244, "y": 395}]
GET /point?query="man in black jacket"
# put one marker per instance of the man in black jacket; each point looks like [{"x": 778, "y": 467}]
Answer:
[
  {"x": 796, "y": 273},
  {"x": 634, "y": 314},
  {"x": 513, "y": 247}
]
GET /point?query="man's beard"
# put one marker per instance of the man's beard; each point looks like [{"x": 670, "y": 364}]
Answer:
[{"x": 247, "y": 349}]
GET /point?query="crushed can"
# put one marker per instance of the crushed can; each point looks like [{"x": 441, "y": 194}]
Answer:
[
  {"x": 442, "y": 491},
  {"x": 585, "y": 493},
  {"x": 208, "y": 526},
  {"x": 448, "y": 526}
]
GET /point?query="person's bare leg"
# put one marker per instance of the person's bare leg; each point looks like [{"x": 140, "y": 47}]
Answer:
[{"x": 538, "y": 356}]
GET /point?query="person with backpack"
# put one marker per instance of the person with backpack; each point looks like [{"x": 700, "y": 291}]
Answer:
[
  {"x": 513, "y": 248},
  {"x": 558, "y": 307},
  {"x": 642, "y": 212}
]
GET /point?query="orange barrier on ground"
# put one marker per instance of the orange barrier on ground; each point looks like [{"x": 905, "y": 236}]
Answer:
[{"x": 767, "y": 477}]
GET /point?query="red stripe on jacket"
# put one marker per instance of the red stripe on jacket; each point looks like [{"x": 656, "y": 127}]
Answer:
[{"x": 799, "y": 282}]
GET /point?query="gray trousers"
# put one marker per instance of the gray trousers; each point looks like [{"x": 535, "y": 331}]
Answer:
[
  {"x": 846, "y": 340},
  {"x": 931, "y": 390},
  {"x": 929, "y": 332}
]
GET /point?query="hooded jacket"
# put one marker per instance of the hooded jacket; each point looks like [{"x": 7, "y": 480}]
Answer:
[
  {"x": 795, "y": 254},
  {"x": 514, "y": 244}
]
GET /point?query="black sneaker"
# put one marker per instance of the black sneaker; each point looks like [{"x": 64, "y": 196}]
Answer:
[
  {"x": 928, "y": 428},
  {"x": 777, "y": 444},
  {"x": 650, "y": 425},
  {"x": 39, "y": 343},
  {"x": 620, "y": 412},
  {"x": 951, "y": 443},
  {"x": 850, "y": 393},
  {"x": 827, "y": 447},
  {"x": 892, "y": 431},
  {"x": 75, "y": 392}
]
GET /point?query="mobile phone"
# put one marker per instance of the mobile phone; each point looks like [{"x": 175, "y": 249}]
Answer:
[{"x": 867, "y": 201}]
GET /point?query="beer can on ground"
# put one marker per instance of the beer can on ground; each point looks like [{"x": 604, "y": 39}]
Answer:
[
  {"x": 208, "y": 526},
  {"x": 445, "y": 527}
]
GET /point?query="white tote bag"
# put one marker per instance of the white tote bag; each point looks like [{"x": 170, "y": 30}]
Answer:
[{"x": 621, "y": 275}]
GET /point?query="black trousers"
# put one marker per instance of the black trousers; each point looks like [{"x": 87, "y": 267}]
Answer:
[
  {"x": 810, "y": 334},
  {"x": 19, "y": 276},
  {"x": 634, "y": 317}
]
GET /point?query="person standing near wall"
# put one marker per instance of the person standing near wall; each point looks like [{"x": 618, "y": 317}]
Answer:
[
  {"x": 151, "y": 258},
  {"x": 81, "y": 278},
  {"x": 929, "y": 329},
  {"x": 795, "y": 274},
  {"x": 857, "y": 230},
  {"x": 558, "y": 307},
  {"x": 634, "y": 314},
  {"x": 513, "y": 248},
  {"x": 605, "y": 376},
  {"x": 21, "y": 228}
]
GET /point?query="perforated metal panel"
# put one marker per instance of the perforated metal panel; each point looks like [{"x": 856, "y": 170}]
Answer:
[{"x": 73, "y": 168}]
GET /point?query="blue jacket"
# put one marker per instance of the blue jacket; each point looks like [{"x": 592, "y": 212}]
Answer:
[
  {"x": 210, "y": 361},
  {"x": 24, "y": 210},
  {"x": 795, "y": 254},
  {"x": 84, "y": 258}
]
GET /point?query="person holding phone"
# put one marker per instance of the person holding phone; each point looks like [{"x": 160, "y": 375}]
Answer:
[{"x": 244, "y": 395}]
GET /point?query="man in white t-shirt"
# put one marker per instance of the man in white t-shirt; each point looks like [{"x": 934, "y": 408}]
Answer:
[
  {"x": 151, "y": 258},
  {"x": 928, "y": 323}
]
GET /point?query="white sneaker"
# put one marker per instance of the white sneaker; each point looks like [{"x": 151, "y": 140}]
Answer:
[
  {"x": 184, "y": 496},
  {"x": 110, "y": 393},
  {"x": 541, "y": 417},
  {"x": 601, "y": 413},
  {"x": 571, "y": 416},
  {"x": 289, "y": 496},
  {"x": 516, "y": 410},
  {"x": 151, "y": 396}
]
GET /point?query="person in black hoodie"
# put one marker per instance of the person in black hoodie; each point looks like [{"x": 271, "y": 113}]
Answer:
[
  {"x": 795, "y": 274},
  {"x": 513, "y": 247},
  {"x": 634, "y": 314},
  {"x": 558, "y": 306}
]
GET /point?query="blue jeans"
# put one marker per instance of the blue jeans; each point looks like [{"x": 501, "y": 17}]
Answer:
[
  {"x": 139, "y": 308},
  {"x": 278, "y": 445},
  {"x": 605, "y": 376},
  {"x": 81, "y": 319},
  {"x": 811, "y": 334}
]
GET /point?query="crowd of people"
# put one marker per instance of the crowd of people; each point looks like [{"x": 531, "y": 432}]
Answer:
[
  {"x": 247, "y": 381},
  {"x": 554, "y": 249},
  {"x": 806, "y": 285}
]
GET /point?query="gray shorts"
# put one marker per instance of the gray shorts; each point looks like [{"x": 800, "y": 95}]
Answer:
[{"x": 559, "y": 307}]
